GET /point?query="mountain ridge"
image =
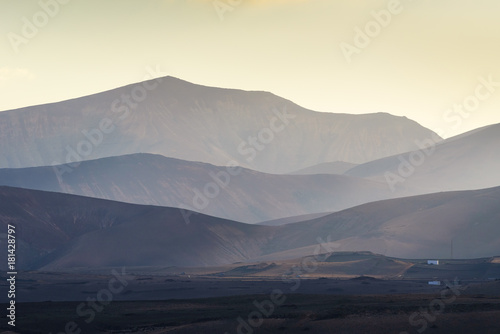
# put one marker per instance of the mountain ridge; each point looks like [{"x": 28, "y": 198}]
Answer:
[{"x": 175, "y": 118}]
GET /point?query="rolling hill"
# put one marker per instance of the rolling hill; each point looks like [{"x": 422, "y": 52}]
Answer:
[
  {"x": 238, "y": 194},
  {"x": 63, "y": 231},
  {"x": 57, "y": 231},
  {"x": 412, "y": 227}
]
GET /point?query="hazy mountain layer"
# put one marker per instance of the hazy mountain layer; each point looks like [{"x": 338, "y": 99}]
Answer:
[
  {"x": 465, "y": 162},
  {"x": 178, "y": 119},
  {"x": 238, "y": 194}
]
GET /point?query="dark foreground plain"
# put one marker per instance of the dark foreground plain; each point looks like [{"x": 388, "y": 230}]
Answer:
[
  {"x": 208, "y": 304},
  {"x": 298, "y": 313},
  {"x": 342, "y": 292},
  {"x": 346, "y": 292}
]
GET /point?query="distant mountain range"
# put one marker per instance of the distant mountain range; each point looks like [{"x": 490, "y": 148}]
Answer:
[
  {"x": 467, "y": 162},
  {"x": 57, "y": 231},
  {"x": 167, "y": 173},
  {"x": 178, "y": 119}
]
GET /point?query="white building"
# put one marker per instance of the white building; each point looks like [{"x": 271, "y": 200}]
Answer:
[{"x": 433, "y": 262}]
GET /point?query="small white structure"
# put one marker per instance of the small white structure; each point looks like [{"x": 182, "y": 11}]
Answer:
[
  {"x": 434, "y": 282},
  {"x": 433, "y": 262}
]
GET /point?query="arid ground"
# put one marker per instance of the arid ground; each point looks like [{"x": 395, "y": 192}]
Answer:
[{"x": 253, "y": 298}]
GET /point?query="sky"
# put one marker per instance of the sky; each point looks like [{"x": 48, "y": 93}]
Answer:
[{"x": 433, "y": 61}]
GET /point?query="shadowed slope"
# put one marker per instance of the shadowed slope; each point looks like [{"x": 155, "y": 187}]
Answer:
[
  {"x": 57, "y": 231},
  {"x": 412, "y": 227}
]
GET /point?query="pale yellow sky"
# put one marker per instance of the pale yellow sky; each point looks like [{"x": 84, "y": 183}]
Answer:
[{"x": 426, "y": 57}]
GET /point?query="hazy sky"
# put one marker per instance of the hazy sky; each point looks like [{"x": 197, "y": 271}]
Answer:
[{"x": 422, "y": 59}]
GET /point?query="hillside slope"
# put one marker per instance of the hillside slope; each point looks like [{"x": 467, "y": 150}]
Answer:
[
  {"x": 57, "y": 231},
  {"x": 466, "y": 162},
  {"x": 63, "y": 231},
  {"x": 238, "y": 194}
]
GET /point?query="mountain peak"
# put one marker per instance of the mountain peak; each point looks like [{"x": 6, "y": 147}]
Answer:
[{"x": 176, "y": 118}]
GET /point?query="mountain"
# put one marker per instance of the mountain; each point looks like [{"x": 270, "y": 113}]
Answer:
[
  {"x": 465, "y": 162},
  {"x": 238, "y": 194},
  {"x": 58, "y": 231},
  {"x": 338, "y": 167},
  {"x": 64, "y": 231},
  {"x": 178, "y": 119}
]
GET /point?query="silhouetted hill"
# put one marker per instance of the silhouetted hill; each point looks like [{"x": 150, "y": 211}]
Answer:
[{"x": 57, "y": 231}]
